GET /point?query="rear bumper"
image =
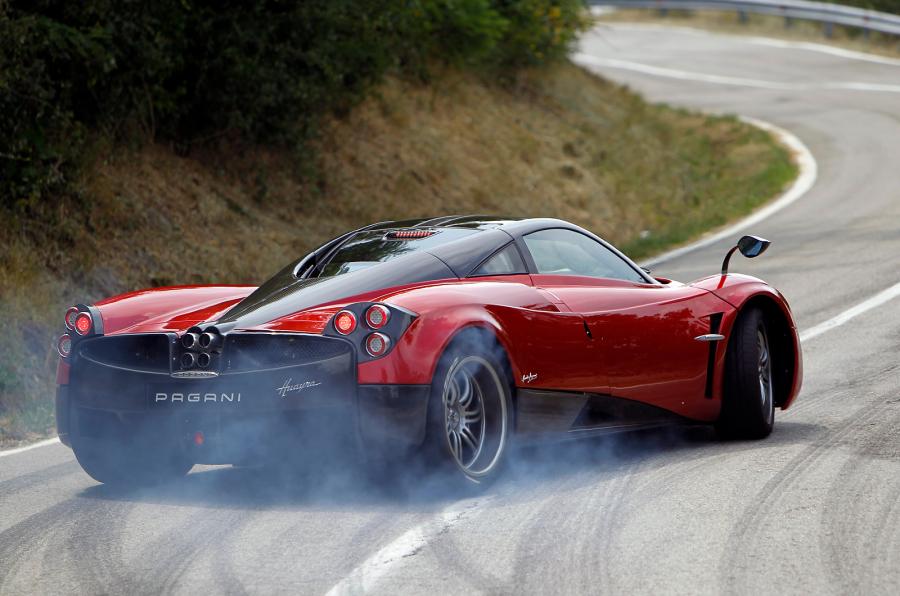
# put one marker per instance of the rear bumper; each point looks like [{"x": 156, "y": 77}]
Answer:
[
  {"x": 241, "y": 415},
  {"x": 379, "y": 420}
]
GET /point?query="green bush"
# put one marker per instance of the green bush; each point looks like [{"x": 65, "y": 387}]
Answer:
[
  {"x": 188, "y": 71},
  {"x": 538, "y": 30}
]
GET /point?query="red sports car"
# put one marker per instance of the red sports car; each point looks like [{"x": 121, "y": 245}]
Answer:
[{"x": 452, "y": 335}]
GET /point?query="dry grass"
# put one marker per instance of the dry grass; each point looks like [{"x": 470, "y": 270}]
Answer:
[
  {"x": 764, "y": 25},
  {"x": 559, "y": 142}
]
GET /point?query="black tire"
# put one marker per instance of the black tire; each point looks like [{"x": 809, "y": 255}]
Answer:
[
  {"x": 119, "y": 454},
  {"x": 471, "y": 408},
  {"x": 748, "y": 403}
]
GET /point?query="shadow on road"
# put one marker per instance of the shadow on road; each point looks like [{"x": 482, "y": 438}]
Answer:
[{"x": 322, "y": 484}]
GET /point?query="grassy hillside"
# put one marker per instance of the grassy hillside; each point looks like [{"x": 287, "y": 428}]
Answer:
[{"x": 555, "y": 142}]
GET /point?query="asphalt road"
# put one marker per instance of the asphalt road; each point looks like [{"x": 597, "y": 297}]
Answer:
[{"x": 815, "y": 508}]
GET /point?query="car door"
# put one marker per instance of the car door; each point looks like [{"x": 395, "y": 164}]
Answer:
[
  {"x": 551, "y": 343},
  {"x": 647, "y": 330}
]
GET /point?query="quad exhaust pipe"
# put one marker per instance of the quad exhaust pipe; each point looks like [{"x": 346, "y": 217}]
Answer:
[
  {"x": 200, "y": 347},
  {"x": 209, "y": 340},
  {"x": 190, "y": 340},
  {"x": 188, "y": 360}
]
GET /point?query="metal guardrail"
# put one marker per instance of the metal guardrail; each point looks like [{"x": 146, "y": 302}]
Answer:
[{"x": 830, "y": 14}]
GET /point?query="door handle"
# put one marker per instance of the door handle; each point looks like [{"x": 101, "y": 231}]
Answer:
[{"x": 710, "y": 337}]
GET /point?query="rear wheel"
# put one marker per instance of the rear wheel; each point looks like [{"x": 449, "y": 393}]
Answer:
[
  {"x": 471, "y": 410},
  {"x": 116, "y": 452},
  {"x": 748, "y": 404}
]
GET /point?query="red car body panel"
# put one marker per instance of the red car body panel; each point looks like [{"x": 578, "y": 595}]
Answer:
[
  {"x": 646, "y": 338},
  {"x": 173, "y": 308},
  {"x": 642, "y": 348}
]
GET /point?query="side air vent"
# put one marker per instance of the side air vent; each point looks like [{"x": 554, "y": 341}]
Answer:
[{"x": 715, "y": 322}]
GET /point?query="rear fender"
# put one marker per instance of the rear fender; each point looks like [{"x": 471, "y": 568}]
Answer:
[
  {"x": 522, "y": 333},
  {"x": 414, "y": 359}
]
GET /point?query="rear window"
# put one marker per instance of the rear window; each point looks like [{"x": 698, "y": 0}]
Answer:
[{"x": 370, "y": 248}]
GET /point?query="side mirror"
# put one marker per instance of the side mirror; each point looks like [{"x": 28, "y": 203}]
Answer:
[{"x": 750, "y": 247}]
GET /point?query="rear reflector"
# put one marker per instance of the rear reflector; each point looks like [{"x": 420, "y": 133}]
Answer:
[
  {"x": 199, "y": 439},
  {"x": 70, "y": 318},
  {"x": 377, "y": 344},
  {"x": 345, "y": 322},
  {"x": 83, "y": 323},
  {"x": 408, "y": 234},
  {"x": 64, "y": 345}
]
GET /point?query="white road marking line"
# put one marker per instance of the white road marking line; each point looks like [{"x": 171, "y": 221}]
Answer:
[
  {"x": 685, "y": 75},
  {"x": 362, "y": 579},
  {"x": 18, "y": 450},
  {"x": 765, "y": 41},
  {"x": 851, "y": 313},
  {"x": 824, "y": 49},
  {"x": 808, "y": 171},
  {"x": 851, "y": 86},
  {"x": 672, "y": 73}
]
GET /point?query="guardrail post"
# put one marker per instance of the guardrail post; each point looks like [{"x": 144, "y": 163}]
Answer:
[
  {"x": 829, "y": 30},
  {"x": 742, "y": 17},
  {"x": 788, "y": 22}
]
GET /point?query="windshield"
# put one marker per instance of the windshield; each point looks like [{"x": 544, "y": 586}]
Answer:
[{"x": 378, "y": 246}]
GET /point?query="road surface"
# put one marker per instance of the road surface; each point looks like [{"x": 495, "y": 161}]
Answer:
[{"x": 815, "y": 508}]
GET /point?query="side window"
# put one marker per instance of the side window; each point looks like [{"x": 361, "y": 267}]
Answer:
[
  {"x": 506, "y": 261},
  {"x": 565, "y": 252}
]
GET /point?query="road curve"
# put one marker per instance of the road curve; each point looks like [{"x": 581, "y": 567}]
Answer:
[{"x": 815, "y": 508}]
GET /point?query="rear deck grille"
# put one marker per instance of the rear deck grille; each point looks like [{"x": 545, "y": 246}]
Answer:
[
  {"x": 146, "y": 352},
  {"x": 250, "y": 352}
]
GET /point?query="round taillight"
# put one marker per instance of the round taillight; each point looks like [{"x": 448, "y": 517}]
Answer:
[
  {"x": 83, "y": 323},
  {"x": 70, "y": 318},
  {"x": 377, "y": 344},
  {"x": 345, "y": 322},
  {"x": 64, "y": 345},
  {"x": 377, "y": 316}
]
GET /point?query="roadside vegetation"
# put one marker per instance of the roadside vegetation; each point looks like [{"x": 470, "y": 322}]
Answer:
[{"x": 126, "y": 171}]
